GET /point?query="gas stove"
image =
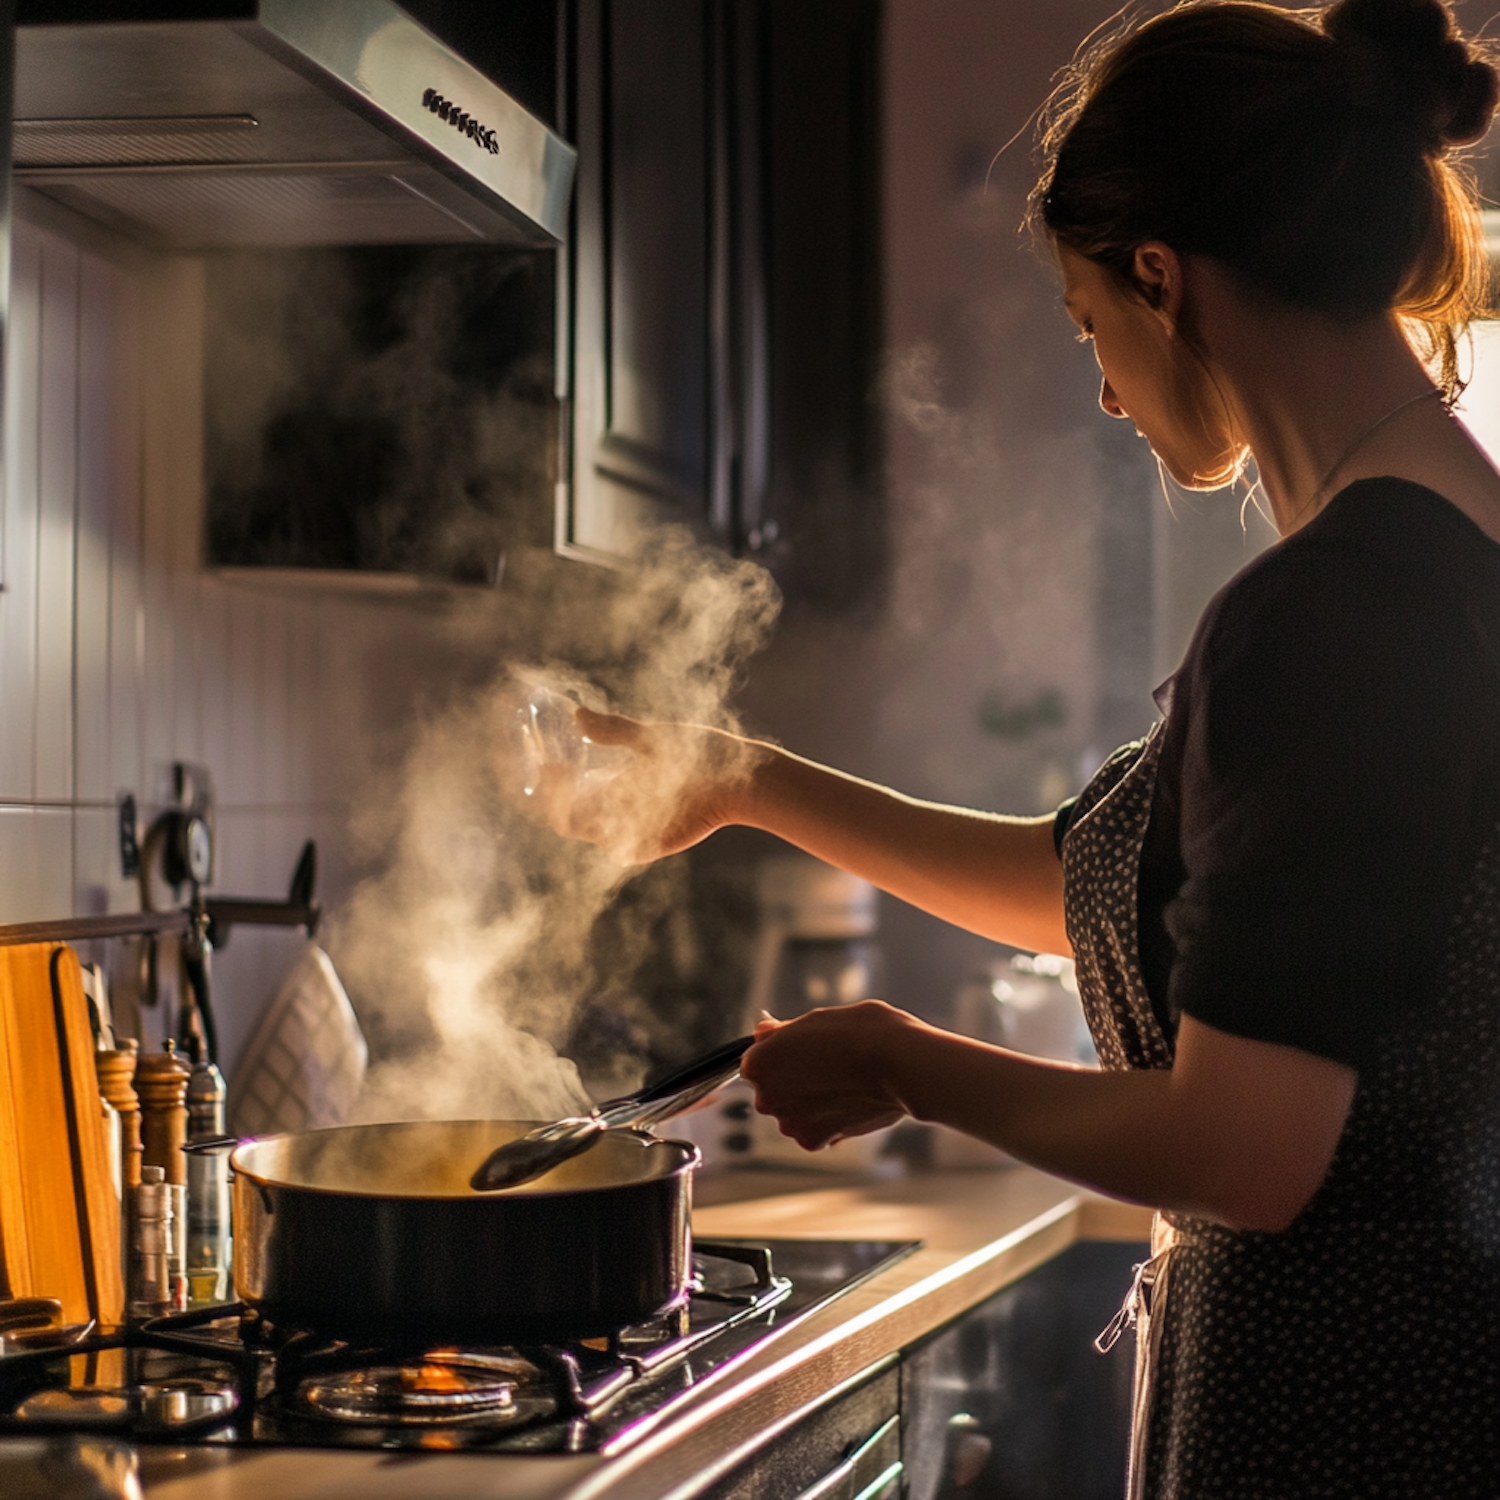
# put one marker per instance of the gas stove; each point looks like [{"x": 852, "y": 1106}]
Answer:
[{"x": 222, "y": 1375}]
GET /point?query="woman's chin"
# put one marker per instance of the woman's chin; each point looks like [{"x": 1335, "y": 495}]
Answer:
[{"x": 1202, "y": 479}]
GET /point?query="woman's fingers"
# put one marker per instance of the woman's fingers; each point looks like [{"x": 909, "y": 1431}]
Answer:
[
  {"x": 822, "y": 1076},
  {"x": 610, "y": 729},
  {"x": 640, "y": 790}
]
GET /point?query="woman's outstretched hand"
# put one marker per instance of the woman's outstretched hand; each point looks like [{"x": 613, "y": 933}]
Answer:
[
  {"x": 828, "y": 1074},
  {"x": 678, "y": 784}
]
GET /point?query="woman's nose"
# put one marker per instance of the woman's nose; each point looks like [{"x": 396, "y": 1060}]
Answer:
[{"x": 1108, "y": 401}]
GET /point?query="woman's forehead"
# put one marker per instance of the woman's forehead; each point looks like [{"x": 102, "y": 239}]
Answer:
[{"x": 1082, "y": 278}]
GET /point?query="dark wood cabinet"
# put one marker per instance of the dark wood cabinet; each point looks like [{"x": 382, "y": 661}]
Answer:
[
  {"x": 641, "y": 268},
  {"x": 721, "y": 325}
]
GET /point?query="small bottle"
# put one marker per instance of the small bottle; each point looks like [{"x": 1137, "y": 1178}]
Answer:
[
  {"x": 208, "y": 1243},
  {"x": 150, "y": 1263}
]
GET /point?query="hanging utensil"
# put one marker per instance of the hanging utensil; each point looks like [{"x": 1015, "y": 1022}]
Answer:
[{"x": 531, "y": 1155}]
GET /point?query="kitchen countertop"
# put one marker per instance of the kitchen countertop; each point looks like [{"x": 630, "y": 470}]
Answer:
[{"x": 981, "y": 1230}]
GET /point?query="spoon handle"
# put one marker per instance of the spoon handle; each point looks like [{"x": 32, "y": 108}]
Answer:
[{"x": 720, "y": 1065}]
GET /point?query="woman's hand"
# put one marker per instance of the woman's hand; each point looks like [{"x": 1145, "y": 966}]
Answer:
[
  {"x": 1238, "y": 1131},
  {"x": 826, "y": 1075},
  {"x": 993, "y": 875},
  {"x": 679, "y": 783}
]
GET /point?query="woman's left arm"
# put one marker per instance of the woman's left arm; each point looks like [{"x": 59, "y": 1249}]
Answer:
[{"x": 1238, "y": 1131}]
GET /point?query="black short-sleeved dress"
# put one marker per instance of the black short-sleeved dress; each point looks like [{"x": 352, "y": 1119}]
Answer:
[{"x": 1306, "y": 850}]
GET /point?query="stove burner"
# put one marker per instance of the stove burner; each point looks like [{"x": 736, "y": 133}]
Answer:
[
  {"x": 154, "y": 1408},
  {"x": 442, "y": 1387},
  {"x": 224, "y": 1375}
]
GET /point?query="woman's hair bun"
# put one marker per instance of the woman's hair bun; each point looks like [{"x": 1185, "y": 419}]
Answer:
[{"x": 1406, "y": 60}]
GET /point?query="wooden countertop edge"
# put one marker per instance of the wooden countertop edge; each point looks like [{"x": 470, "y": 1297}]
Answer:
[{"x": 839, "y": 1344}]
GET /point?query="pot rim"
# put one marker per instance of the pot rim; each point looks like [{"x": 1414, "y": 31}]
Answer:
[{"x": 692, "y": 1158}]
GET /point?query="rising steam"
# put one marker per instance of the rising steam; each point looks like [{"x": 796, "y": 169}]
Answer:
[{"x": 471, "y": 946}]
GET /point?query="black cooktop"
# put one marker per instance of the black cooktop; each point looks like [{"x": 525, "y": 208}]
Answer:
[{"x": 222, "y": 1376}]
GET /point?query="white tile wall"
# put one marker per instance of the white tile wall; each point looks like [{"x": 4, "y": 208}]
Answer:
[{"x": 118, "y": 653}]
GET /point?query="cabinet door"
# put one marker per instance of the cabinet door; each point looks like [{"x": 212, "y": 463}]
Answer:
[
  {"x": 1013, "y": 1402},
  {"x": 641, "y": 264},
  {"x": 723, "y": 285}
]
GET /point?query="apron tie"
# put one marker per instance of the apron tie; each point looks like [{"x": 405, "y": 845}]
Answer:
[
  {"x": 1137, "y": 1304},
  {"x": 1141, "y": 1310}
]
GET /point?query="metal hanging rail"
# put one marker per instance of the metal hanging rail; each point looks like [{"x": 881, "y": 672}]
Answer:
[{"x": 81, "y": 929}]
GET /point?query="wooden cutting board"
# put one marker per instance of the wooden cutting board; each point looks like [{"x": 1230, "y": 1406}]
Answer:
[{"x": 59, "y": 1217}]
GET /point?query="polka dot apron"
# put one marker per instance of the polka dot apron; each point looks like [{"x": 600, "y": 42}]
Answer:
[{"x": 1356, "y": 1354}]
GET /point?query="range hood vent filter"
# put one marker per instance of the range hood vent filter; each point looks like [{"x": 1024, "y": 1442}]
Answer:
[
  {"x": 268, "y": 210},
  {"x": 135, "y": 142}
]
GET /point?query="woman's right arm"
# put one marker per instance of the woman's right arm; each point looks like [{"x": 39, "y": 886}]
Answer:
[{"x": 994, "y": 875}]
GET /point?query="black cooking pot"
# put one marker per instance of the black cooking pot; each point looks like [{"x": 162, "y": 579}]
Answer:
[{"x": 373, "y": 1230}]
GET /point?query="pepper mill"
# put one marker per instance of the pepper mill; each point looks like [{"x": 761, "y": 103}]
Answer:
[
  {"x": 115, "y": 1070},
  {"x": 161, "y": 1081}
]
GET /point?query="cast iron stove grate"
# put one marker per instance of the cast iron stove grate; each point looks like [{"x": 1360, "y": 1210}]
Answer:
[{"x": 223, "y": 1375}]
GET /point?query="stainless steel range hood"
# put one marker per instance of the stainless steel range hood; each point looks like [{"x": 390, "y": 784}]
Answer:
[{"x": 280, "y": 123}]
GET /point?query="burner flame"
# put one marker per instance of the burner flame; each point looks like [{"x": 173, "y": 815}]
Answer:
[{"x": 442, "y": 1387}]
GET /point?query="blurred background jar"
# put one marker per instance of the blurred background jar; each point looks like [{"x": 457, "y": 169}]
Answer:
[
  {"x": 1029, "y": 1003},
  {"x": 818, "y": 941}
]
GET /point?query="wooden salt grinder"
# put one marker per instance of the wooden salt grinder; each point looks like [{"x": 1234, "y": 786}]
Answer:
[
  {"x": 116, "y": 1070},
  {"x": 161, "y": 1081}
]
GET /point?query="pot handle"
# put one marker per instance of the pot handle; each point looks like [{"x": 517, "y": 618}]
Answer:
[{"x": 212, "y": 1145}]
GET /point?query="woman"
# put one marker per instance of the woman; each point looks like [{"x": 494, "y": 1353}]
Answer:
[{"x": 1283, "y": 903}]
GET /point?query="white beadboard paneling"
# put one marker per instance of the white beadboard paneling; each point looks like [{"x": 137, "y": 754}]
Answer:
[
  {"x": 272, "y": 726},
  {"x": 58, "y": 488},
  {"x": 18, "y": 602},
  {"x": 285, "y": 834},
  {"x": 36, "y": 863},
  {"x": 172, "y": 470},
  {"x": 98, "y": 885},
  {"x": 213, "y": 679},
  {"x": 99, "y": 412},
  {"x": 127, "y": 625},
  {"x": 243, "y": 785},
  {"x": 361, "y": 653},
  {"x": 158, "y": 682},
  {"x": 53, "y": 833},
  {"x": 336, "y": 873},
  {"x": 187, "y": 724},
  {"x": 17, "y": 863},
  {"x": 172, "y": 394},
  {"x": 119, "y": 656},
  {"x": 326, "y": 727},
  {"x": 302, "y": 702},
  {"x": 240, "y": 842}
]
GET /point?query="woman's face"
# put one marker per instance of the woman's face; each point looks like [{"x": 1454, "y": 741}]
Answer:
[{"x": 1151, "y": 375}]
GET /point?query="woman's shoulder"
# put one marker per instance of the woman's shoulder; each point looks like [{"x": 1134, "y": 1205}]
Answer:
[
  {"x": 1383, "y": 544},
  {"x": 1393, "y": 517},
  {"x": 1388, "y": 569}
]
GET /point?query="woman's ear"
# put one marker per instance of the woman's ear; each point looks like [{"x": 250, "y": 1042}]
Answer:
[{"x": 1159, "y": 275}]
